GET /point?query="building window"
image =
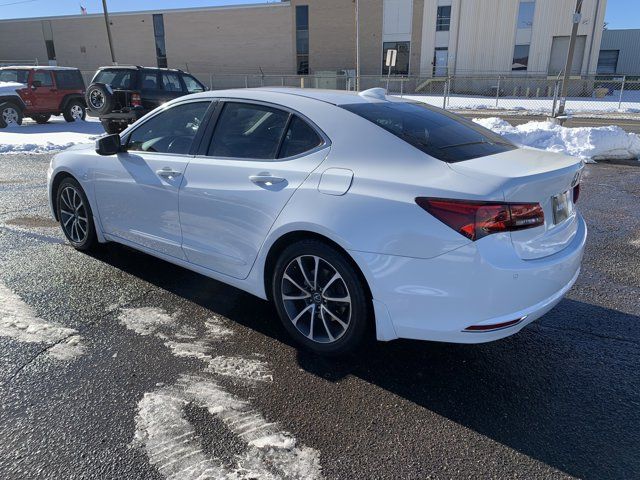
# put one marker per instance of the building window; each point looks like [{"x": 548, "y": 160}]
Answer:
[
  {"x": 440, "y": 62},
  {"x": 608, "y": 61},
  {"x": 520, "y": 57},
  {"x": 525, "y": 14},
  {"x": 302, "y": 39},
  {"x": 47, "y": 31},
  {"x": 158, "y": 31},
  {"x": 402, "y": 60},
  {"x": 443, "y": 19}
]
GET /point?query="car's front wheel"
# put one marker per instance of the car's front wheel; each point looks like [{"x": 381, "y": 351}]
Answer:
[
  {"x": 75, "y": 216},
  {"x": 75, "y": 110},
  {"x": 10, "y": 115},
  {"x": 320, "y": 297}
]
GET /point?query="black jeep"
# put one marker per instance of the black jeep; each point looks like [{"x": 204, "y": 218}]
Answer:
[{"x": 121, "y": 95}]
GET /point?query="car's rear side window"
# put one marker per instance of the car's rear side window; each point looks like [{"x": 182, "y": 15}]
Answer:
[
  {"x": 440, "y": 134},
  {"x": 119, "y": 79},
  {"x": 69, "y": 79},
  {"x": 171, "y": 82},
  {"x": 247, "y": 130},
  {"x": 300, "y": 138},
  {"x": 20, "y": 76}
]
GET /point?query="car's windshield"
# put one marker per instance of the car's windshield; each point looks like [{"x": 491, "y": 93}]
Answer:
[
  {"x": 118, "y": 79},
  {"x": 442, "y": 135},
  {"x": 19, "y": 76}
]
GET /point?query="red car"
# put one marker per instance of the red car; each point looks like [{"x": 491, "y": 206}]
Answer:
[{"x": 39, "y": 92}]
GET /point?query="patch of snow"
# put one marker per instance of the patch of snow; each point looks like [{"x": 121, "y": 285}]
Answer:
[
  {"x": 541, "y": 105},
  {"x": 242, "y": 368},
  {"x": 176, "y": 450},
  {"x": 56, "y": 135},
  {"x": 19, "y": 322},
  {"x": 588, "y": 143},
  {"x": 146, "y": 320}
]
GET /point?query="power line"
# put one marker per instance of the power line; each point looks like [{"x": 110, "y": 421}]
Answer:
[{"x": 16, "y": 3}]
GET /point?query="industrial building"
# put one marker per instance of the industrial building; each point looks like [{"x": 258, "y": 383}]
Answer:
[{"x": 300, "y": 37}]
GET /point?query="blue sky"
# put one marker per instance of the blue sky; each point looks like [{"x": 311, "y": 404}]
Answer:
[{"x": 620, "y": 13}]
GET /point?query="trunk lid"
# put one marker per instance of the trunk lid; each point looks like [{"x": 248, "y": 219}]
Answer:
[{"x": 529, "y": 175}]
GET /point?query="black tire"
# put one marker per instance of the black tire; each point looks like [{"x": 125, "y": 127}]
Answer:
[
  {"x": 112, "y": 127},
  {"x": 84, "y": 241},
  {"x": 74, "y": 110},
  {"x": 10, "y": 109},
  {"x": 41, "y": 119},
  {"x": 348, "y": 338},
  {"x": 99, "y": 99}
]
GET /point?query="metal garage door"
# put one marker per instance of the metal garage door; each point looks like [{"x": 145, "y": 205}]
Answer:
[{"x": 559, "y": 50}]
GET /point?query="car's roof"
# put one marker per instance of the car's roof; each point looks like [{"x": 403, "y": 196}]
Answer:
[
  {"x": 137, "y": 67},
  {"x": 34, "y": 67},
  {"x": 334, "y": 97}
]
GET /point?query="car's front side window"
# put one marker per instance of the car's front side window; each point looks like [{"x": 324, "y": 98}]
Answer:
[
  {"x": 250, "y": 131},
  {"x": 193, "y": 86},
  {"x": 44, "y": 78},
  {"x": 171, "y": 131}
]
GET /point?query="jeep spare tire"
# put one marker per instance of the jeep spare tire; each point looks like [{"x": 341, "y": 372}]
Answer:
[{"x": 99, "y": 98}]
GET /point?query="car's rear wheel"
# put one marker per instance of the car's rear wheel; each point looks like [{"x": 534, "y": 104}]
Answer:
[
  {"x": 75, "y": 216},
  {"x": 321, "y": 298},
  {"x": 10, "y": 115},
  {"x": 112, "y": 127},
  {"x": 41, "y": 119},
  {"x": 75, "y": 110}
]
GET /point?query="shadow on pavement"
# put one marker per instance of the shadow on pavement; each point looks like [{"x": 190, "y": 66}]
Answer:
[{"x": 559, "y": 391}]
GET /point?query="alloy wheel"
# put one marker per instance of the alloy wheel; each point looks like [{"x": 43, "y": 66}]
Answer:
[
  {"x": 73, "y": 215},
  {"x": 76, "y": 112},
  {"x": 316, "y": 299},
  {"x": 10, "y": 116},
  {"x": 96, "y": 98}
]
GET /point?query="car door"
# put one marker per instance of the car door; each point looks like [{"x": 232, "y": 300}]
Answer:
[
  {"x": 137, "y": 190},
  {"x": 151, "y": 92},
  {"x": 249, "y": 166},
  {"x": 43, "y": 95}
]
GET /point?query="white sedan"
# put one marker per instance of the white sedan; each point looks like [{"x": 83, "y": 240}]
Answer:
[{"x": 349, "y": 211}]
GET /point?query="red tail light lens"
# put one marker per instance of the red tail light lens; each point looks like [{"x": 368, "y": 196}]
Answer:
[
  {"x": 476, "y": 220},
  {"x": 576, "y": 193},
  {"x": 136, "y": 101}
]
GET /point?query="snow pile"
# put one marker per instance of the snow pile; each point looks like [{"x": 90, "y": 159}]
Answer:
[
  {"x": 588, "y": 143},
  {"x": 56, "y": 135}
]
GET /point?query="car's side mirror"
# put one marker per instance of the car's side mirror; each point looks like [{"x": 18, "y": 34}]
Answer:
[
  {"x": 35, "y": 84},
  {"x": 109, "y": 145}
]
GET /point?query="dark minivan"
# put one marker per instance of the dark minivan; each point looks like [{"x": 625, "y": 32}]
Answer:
[{"x": 121, "y": 95}]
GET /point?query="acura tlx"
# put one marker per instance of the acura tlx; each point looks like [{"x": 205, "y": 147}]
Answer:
[{"x": 349, "y": 211}]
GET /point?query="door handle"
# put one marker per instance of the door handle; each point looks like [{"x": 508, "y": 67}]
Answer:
[
  {"x": 265, "y": 179},
  {"x": 168, "y": 172}
]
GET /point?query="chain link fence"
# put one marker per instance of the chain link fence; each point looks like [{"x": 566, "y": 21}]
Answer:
[{"x": 533, "y": 94}]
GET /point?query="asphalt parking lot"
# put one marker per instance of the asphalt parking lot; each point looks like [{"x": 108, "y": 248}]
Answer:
[{"x": 121, "y": 366}]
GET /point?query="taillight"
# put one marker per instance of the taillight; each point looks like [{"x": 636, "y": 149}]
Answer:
[
  {"x": 576, "y": 193},
  {"x": 476, "y": 220},
  {"x": 136, "y": 101}
]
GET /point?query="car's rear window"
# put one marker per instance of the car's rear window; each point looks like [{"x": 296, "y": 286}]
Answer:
[
  {"x": 119, "y": 79},
  {"x": 442, "y": 135},
  {"x": 20, "y": 76}
]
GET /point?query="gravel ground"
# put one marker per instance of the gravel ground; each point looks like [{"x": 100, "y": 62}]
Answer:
[{"x": 139, "y": 369}]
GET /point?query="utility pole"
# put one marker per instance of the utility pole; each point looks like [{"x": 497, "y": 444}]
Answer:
[
  {"x": 577, "y": 16},
  {"x": 106, "y": 21},
  {"x": 357, "y": 45}
]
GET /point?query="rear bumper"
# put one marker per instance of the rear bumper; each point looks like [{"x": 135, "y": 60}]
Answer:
[
  {"x": 128, "y": 116},
  {"x": 482, "y": 283}
]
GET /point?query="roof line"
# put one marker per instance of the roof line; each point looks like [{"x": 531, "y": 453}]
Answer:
[{"x": 150, "y": 12}]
